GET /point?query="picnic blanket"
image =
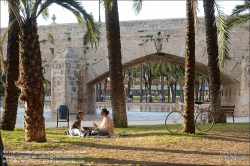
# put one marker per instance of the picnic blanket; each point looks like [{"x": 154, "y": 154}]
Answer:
[
  {"x": 101, "y": 136},
  {"x": 96, "y": 136}
]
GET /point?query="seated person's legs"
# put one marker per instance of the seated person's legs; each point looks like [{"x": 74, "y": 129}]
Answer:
[
  {"x": 102, "y": 131},
  {"x": 76, "y": 132}
]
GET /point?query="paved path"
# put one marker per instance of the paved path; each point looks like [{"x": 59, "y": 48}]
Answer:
[{"x": 237, "y": 119}]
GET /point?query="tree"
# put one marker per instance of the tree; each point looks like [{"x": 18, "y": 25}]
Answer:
[
  {"x": 11, "y": 72},
  {"x": 115, "y": 63},
  {"x": 198, "y": 78},
  {"x": 188, "y": 123},
  {"x": 213, "y": 67},
  {"x": 30, "y": 62}
]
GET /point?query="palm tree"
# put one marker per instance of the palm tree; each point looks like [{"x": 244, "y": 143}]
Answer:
[
  {"x": 188, "y": 123},
  {"x": 11, "y": 72},
  {"x": 127, "y": 75},
  {"x": 198, "y": 78},
  {"x": 213, "y": 53},
  {"x": 30, "y": 63},
  {"x": 169, "y": 70},
  {"x": 115, "y": 63}
]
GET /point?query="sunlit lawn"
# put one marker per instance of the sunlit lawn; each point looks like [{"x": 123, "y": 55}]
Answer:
[{"x": 225, "y": 144}]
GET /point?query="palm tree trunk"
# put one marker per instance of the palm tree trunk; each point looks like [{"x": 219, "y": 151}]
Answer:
[
  {"x": 162, "y": 84},
  {"x": 188, "y": 123},
  {"x": 181, "y": 94},
  {"x": 150, "y": 84},
  {"x": 105, "y": 89},
  {"x": 141, "y": 95},
  {"x": 129, "y": 83},
  {"x": 168, "y": 93},
  {"x": 100, "y": 91},
  {"x": 202, "y": 90},
  {"x": 175, "y": 92},
  {"x": 97, "y": 93},
  {"x": 115, "y": 66},
  {"x": 196, "y": 90},
  {"x": 213, "y": 68},
  {"x": 172, "y": 91},
  {"x": 31, "y": 82},
  {"x": 12, "y": 72}
]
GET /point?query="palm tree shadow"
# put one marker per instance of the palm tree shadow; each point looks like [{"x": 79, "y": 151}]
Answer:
[{"x": 225, "y": 137}]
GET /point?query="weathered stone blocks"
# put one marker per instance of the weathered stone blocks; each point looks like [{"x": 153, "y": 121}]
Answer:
[{"x": 66, "y": 76}]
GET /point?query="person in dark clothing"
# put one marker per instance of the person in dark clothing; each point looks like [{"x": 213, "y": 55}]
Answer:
[{"x": 75, "y": 128}]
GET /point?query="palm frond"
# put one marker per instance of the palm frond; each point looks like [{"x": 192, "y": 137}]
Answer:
[
  {"x": 93, "y": 27},
  {"x": 23, "y": 12},
  {"x": 2, "y": 38},
  {"x": 26, "y": 8},
  {"x": 43, "y": 6},
  {"x": 238, "y": 9},
  {"x": 238, "y": 20},
  {"x": 14, "y": 5},
  {"x": 223, "y": 37},
  {"x": 84, "y": 19},
  {"x": 137, "y": 6},
  {"x": 45, "y": 14},
  {"x": 35, "y": 8}
]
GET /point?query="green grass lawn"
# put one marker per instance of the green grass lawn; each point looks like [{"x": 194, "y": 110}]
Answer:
[{"x": 145, "y": 145}]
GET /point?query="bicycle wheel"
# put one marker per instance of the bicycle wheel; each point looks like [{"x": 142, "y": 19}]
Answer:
[
  {"x": 174, "y": 121},
  {"x": 204, "y": 121}
]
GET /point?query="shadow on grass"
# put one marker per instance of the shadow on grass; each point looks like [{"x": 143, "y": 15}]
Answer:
[
  {"x": 99, "y": 161},
  {"x": 116, "y": 147},
  {"x": 133, "y": 162},
  {"x": 215, "y": 136}
]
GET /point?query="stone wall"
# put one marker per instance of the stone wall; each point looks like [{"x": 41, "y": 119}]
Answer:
[
  {"x": 239, "y": 94},
  {"x": 74, "y": 85},
  {"x": 68, "y": 81}
]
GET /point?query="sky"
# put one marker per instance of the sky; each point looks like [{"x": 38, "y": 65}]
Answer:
[{"x": 150, "y": 10}]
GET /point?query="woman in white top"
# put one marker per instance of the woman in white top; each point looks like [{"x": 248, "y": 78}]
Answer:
[{"x": 106, "y": 127}]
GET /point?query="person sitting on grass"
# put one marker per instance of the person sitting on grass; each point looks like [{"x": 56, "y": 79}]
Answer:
[
  {"x": 105, "y": 128},
  {"x": 75, "y": 128}
]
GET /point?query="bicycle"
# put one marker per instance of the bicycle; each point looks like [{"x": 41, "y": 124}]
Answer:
[{"x": 204, "y": 119}]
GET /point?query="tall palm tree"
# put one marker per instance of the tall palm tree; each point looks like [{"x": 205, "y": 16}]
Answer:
[
  {"x": 115, "y": 63},
  {"x": 213, "y": 53},
  {"x": 30, "y": 62},
  {"x": 188, "y": 123},
  {"x": 11, "y": 72}
]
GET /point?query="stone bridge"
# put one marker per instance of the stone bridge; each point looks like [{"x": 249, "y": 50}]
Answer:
[{"x": 74, "y": 67}]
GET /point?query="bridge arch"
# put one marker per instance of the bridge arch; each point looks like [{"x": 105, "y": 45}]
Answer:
[
  {"x": 130, "y": 57},
  {"x": 139, "y": 44}
]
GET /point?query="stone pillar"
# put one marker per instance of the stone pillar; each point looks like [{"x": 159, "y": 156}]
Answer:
[
  {"x": 91, "y": 98},
  {"x": 245, "y": 84},
  {"x": 238, "y": 94},
  {"x": 68, "y": 81}
]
